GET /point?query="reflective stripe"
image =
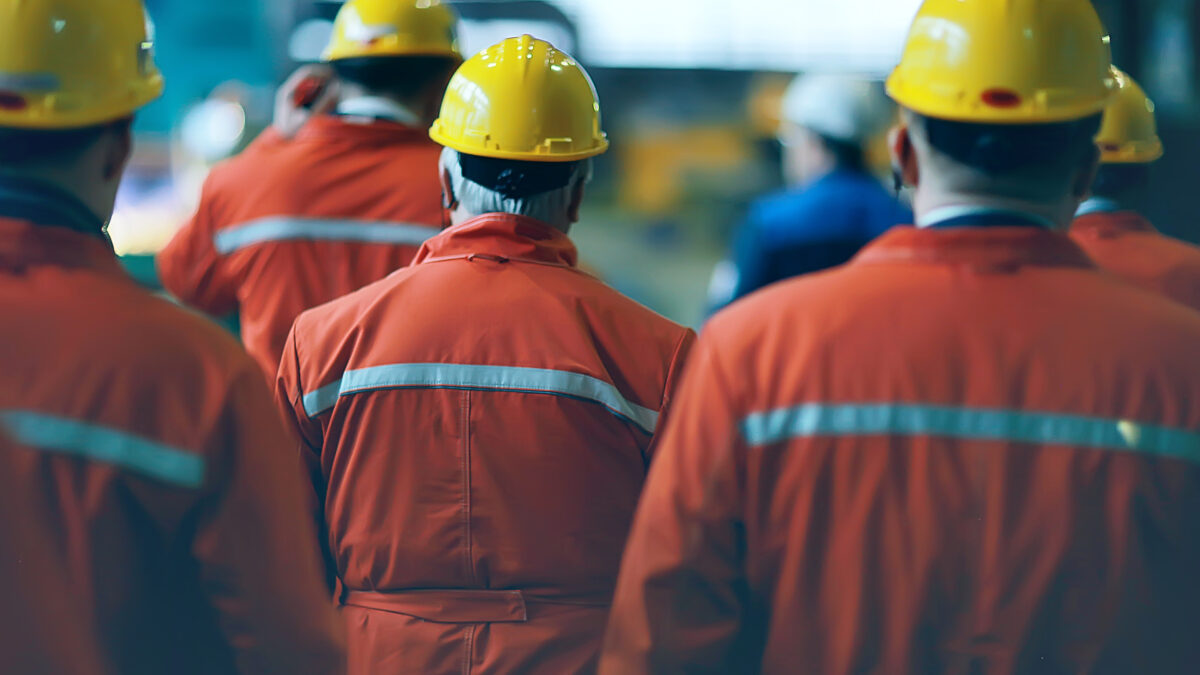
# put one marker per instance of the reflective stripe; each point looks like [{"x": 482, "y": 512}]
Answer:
[
  {"x": 285, "y": 229},
  {"x": 102, "y": 444},
  {"x": 485, "y": 378},
  {"x": 969, "y": 423}
]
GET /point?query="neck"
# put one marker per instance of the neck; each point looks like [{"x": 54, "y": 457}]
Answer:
[
  {"x": 461, "y": 215},
  {"x": 95, "y": 199},
  {"x": 355, "y": 100},
  {"x": 928, "y": 204}
]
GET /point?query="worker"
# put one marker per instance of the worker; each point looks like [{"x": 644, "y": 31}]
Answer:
[
  {"x": 834, "y": 205},
  {"x": 286, "y": 226},
  {"x": 155, "y": 458},
  {"x": 479, "y": 424},
  {"x": 1120, "y": 240},
  {"x": 967, "y": 451}
]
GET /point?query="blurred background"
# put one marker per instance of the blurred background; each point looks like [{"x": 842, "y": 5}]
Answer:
[{"x": 690, "y": 91}]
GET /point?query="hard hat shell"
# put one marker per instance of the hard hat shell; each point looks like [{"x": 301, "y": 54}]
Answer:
[
  {"x": 376, "y": 28},
  {"x": 842, "y": 107},
  {"x": 1129, "y": 134},
  {"x": 521, "y": 99},
  {"x": 74, "y": 63},
  {"x": 1005, "y": 62}
]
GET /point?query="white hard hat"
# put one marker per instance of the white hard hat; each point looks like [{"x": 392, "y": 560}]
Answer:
[{"x": 840, "y": 107}]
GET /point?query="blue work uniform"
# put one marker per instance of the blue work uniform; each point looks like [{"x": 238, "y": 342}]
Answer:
[{"x": 807, "y": 230}]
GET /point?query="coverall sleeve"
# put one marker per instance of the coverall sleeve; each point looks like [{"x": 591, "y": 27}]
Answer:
[
  {"x": 681, "y": 598},
  {"x": 678, "y": 362},
  {"x": 258, "y": 557},
  {"x": 190, "y": 267},
  {"x": 307, "y": 439}
]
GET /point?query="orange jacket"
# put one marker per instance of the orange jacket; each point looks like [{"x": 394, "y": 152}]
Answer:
[
  {"x": 161, "y": 465},
  {"x": 286, "y": 226},
  {"x": 40, "y": 629},
  {"x": 479, "y": 426},
  {"x": 1127, "y": 245},
  {"x": 965, "y": 452}
]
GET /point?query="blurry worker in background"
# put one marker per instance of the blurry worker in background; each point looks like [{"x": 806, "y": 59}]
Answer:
[
  {"x": 479, "y": 424},
  {"x": 289, "y": 225},
  {"x": 1122, "y": 241},
  {"x": 969, "y": 450},
  {"x": 835, "y": 205},
  {"x": 157, "y": 465}
]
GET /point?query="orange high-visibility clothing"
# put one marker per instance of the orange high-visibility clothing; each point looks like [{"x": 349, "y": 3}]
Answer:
[
  {"x": 41, "y": 629},
  {"x": 479, "y": 425},
  {"x": 162, "y": 466},
  {"x": 968, "y": 451},
  {"x": 1127, "y": 245},
  {"x": 286, "y": 226}
]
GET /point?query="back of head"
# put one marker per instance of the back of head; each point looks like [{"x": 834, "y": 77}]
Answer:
[
  {"x": 841, "y": 109},
  {"x": 1004, "y": 97},
  {"x": 394, "y": 48},
  {"x": 1128, "y": 141},
  {"x": 522, "y": 122},
  {"x": 68, "y": 70}
]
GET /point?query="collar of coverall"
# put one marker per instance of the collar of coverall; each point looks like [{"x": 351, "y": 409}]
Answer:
[
  {"x": 992, "y": 247},
  {"x": 24, "y": 243},
  {"x": 41, "y": 203},
  {"x": 1097, "y": 205},
  {"x": 502, "y": 237},
  {"x": 1109, "y": 224}
]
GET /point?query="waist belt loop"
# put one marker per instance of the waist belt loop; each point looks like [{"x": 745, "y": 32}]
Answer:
[{"x": 446, "y": 605}]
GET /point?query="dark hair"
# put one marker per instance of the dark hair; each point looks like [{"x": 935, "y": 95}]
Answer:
[
  {"x": 846, "y": 154},
  {"x": 1115, "y": 181},
  {"x": 1007, "y": 148},
  {"x": 23, "y": 147},
  {"x": 399, "y": 76},
  {"x": 515, "y": 179}
]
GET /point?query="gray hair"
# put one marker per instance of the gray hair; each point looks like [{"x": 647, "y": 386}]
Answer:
[{"x": 549, "y": 207}]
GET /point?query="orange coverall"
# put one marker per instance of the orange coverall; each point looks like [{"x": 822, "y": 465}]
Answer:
[
  {"x": 41, "y": 633},
  {"x": 478, "y": 426},
  {"x": 1127, "y": 245},
  {"x": 967, "y": 451},
  {"x": 286, "y": 226},
  {"x": 157, "y": 459}
]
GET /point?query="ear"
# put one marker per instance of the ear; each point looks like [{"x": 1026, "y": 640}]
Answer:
[
  {"x": 904, "y": 156},
  {"x": 117, "y": 149},
  {"x": 1086, "y": 177},
  {"x": 576, "y": 202},
  {"x": 449, "y": 201}
]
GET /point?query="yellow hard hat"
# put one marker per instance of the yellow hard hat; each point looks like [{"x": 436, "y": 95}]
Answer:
[
  {"x": 1005, "y": 62},
  {"x": 74, "y": 63},
  {"x": 366, "y": 28},
  {"x": 1129, "y": 134},
  {"x": 521, "y": 99}
]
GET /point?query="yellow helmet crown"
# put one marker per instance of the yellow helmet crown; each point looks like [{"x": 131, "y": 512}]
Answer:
[
  {"x": 74, "y": 63},
  {"x": 1005, "y": 62},
  {"x": 521, "y": 99},
  {"x": 1129, "y": 134},
  {"x": 373, "y": 28}
]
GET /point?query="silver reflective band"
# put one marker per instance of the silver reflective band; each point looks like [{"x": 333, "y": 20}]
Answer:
[
  {"x": 291, "y": 229},
  {"x": 102, "y": 444},
  {"x": 985, "y": 424},
  {"x": 30, "y": 82},
  {"x": 484, "y": 378}
]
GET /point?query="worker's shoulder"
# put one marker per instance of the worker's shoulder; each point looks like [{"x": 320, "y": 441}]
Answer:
[
  {"x": 590, "y": 294},
  {"x": 341, "y": 314},
  {"x": 165, "y": 340}
]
